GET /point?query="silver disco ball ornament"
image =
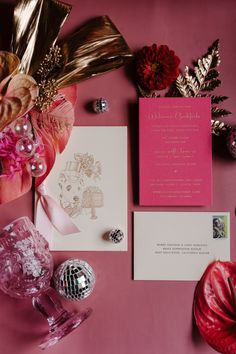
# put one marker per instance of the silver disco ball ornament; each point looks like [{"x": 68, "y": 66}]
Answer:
[
  {"x": 100, "y": 105},
  {"x": 116, "y": 235},
  {"x": 74, "y": 279}
]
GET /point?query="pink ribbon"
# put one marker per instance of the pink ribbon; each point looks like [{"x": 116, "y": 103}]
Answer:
[{"x": 57, "y": 216}]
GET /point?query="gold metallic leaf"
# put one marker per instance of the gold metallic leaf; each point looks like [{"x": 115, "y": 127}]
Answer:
[
  {"x": 9, "y": 64},
  {"x": 36, "y": 27},
  {"x": 18, "y": 98},
  {"x": 94, "y": 49}
]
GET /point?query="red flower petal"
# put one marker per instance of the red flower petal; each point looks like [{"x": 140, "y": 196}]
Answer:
[
  {"x": 215, "y": 306},
  {"x": 156, "y": 67}
]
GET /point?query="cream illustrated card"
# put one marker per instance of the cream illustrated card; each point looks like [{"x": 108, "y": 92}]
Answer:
[
  {"x": 89, "y": 182},
  {"x": 179, "y": 245}
]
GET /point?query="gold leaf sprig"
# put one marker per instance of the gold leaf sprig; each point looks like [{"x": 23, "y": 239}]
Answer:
[
  {"x": 203, "y": 79},
  {"x": 51, "y": 61},
  {"x": 47, "y": 92},
  {"x": 48, "y": 86}
]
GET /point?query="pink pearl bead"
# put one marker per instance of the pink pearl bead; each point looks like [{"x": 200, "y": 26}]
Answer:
[
  {"x": 22, "y": 126},
  {"x": 25, "y": 147},
  {"x": 37, "y": 166}
]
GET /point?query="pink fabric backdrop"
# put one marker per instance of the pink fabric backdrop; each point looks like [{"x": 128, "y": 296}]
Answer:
[{"x": 133, "y": 317}]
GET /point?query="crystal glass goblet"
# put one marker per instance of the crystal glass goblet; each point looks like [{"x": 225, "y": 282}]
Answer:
[{"x": 26, "y": 268}]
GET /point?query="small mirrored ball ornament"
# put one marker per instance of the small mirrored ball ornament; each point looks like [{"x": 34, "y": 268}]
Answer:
[
  {"x": 100, "y": 105},
  {"x": 22, "y": 127},
  {"x": 74, "y": 279},
  {"x": 116, "y": 235},
  {"x": 25, "y": 147},
  {"x": 37, "y": 166}
]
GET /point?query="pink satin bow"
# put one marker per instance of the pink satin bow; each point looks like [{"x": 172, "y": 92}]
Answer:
[{"x": 52, "y": 211}]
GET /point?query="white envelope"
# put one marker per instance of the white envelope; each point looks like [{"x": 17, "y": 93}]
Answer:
[
  {"x": 178, "y": 245},
  {"x": 89, "y": 181}
]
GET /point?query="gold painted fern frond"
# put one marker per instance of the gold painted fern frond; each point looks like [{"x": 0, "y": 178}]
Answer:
[
  {"x": 204, "y": 75},
  {"x": 218, "y": 127},
  {"x": 218, "y": 99},
  {"x": 203, "y": 79},
  {"x": 217, "y": 112}
]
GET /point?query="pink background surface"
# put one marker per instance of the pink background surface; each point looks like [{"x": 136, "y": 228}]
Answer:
[{"x": 133, "y": 317}]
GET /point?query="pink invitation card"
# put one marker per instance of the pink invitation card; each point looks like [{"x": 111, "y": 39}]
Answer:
[{"x": 175, "y": 151}]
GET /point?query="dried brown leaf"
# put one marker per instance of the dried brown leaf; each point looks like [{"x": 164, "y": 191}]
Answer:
[{"x": 17, "y": 98}]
